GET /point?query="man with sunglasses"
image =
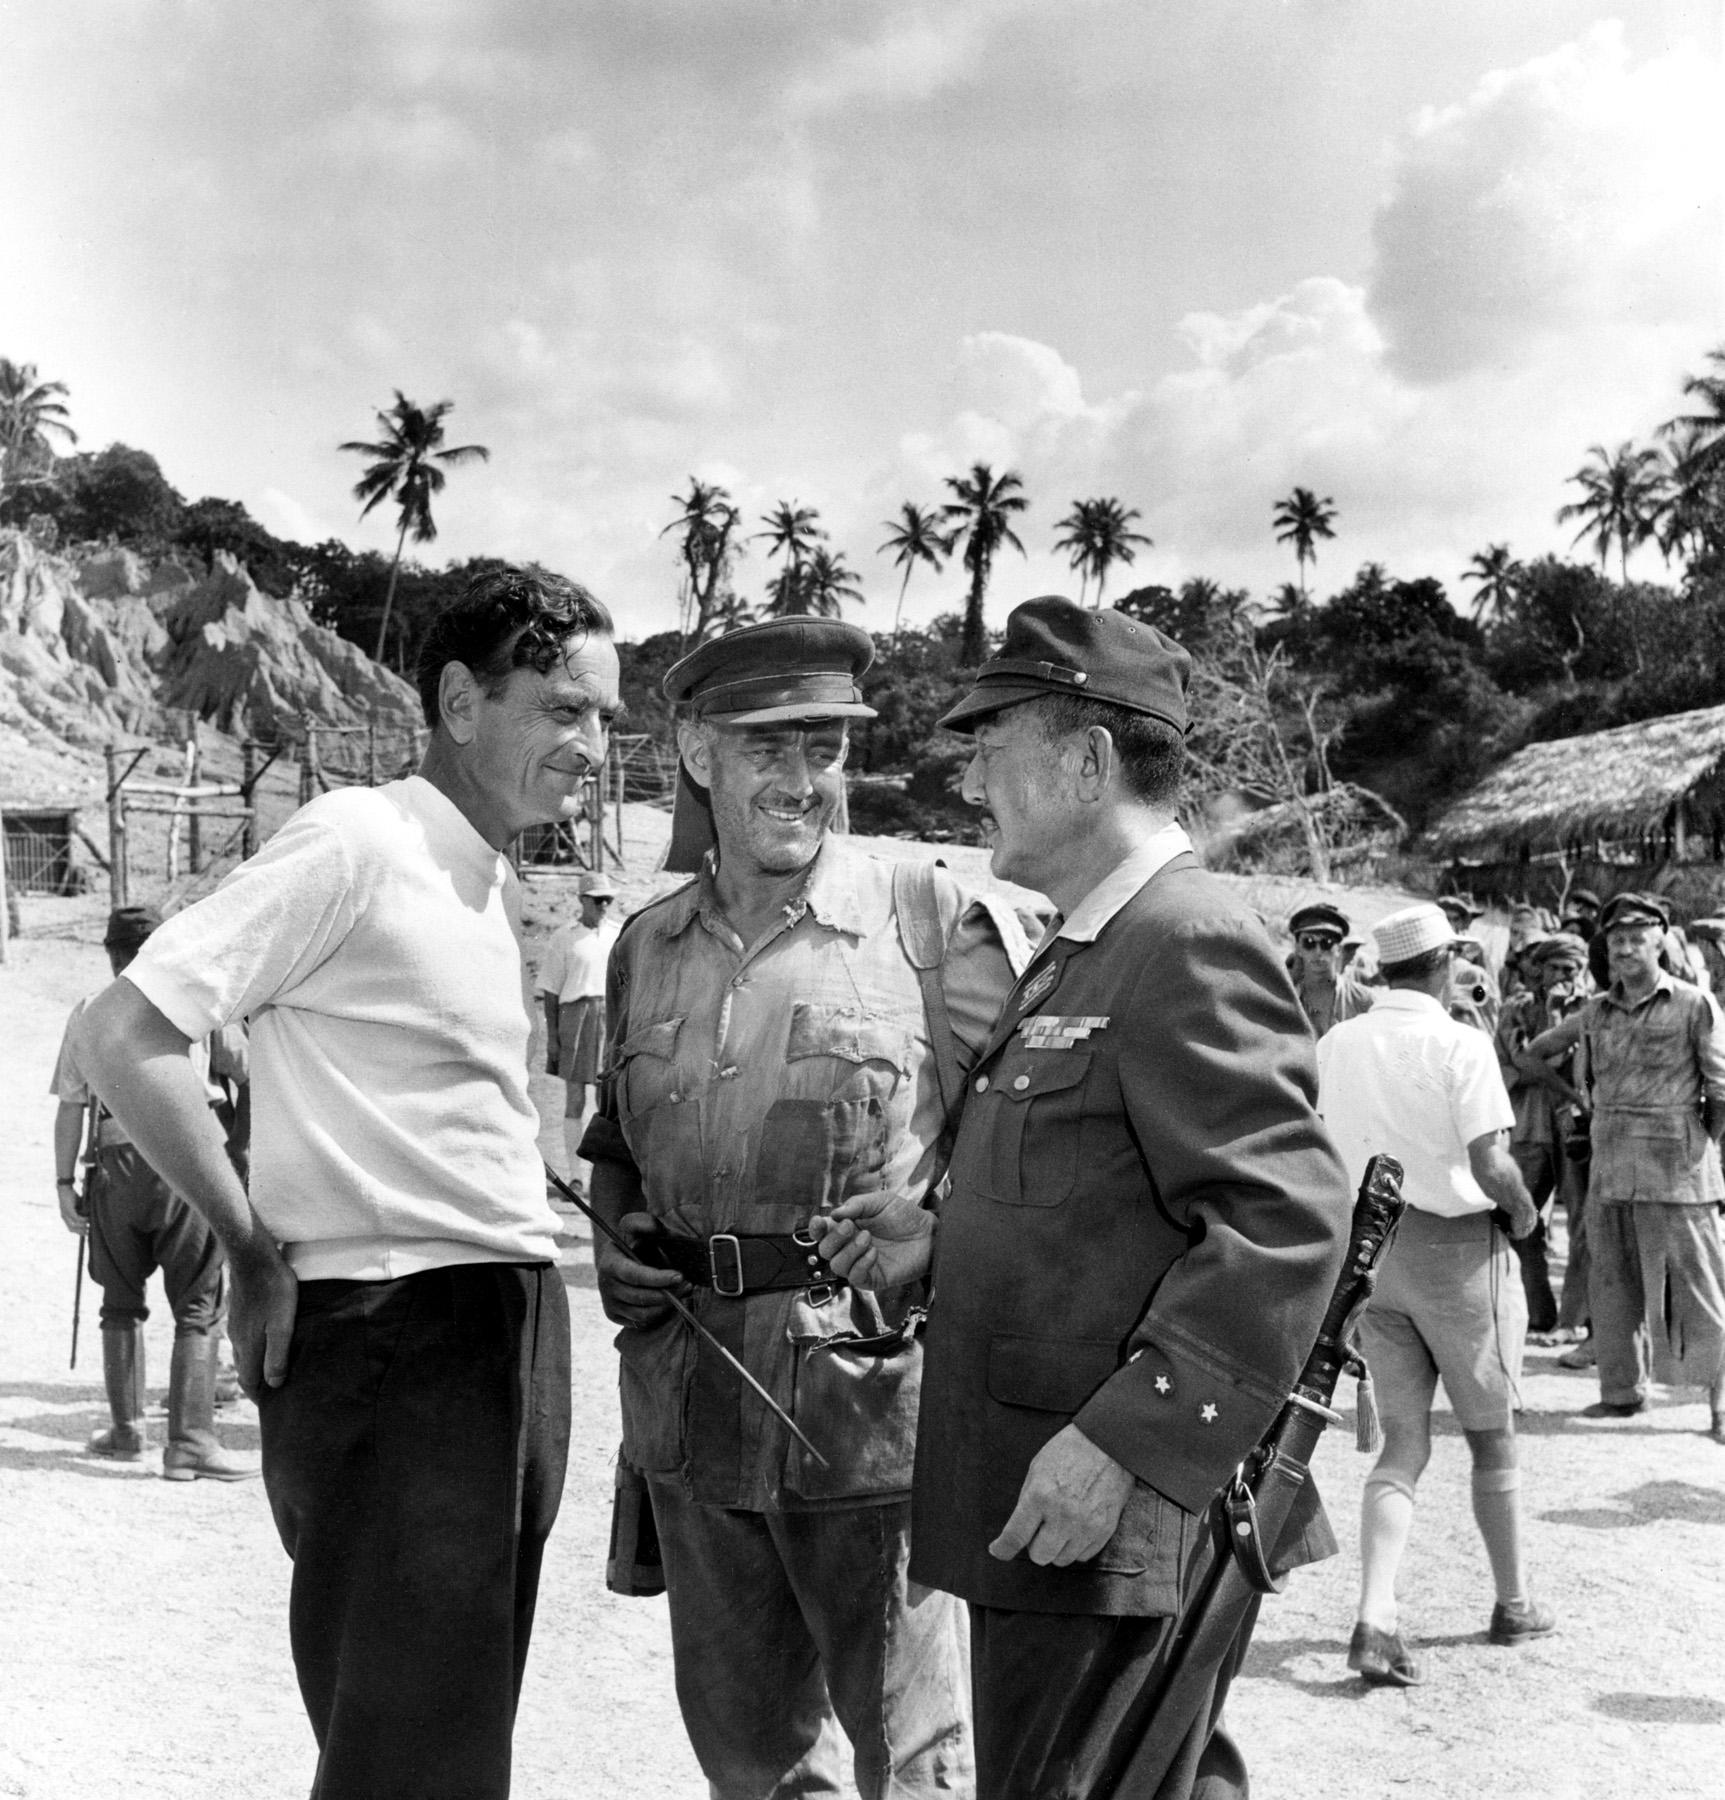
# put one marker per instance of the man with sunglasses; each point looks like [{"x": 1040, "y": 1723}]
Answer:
[
  {"x": 1328, "y": 992},
  {"x": 572, "y": 991}
]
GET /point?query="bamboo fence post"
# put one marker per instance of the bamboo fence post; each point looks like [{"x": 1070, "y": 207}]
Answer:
[{"x": 116, "y": 831}]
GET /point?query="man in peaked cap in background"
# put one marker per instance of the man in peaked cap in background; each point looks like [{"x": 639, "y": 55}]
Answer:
[
  {"x": 571, "y": 989},
  {"x": 1653, "y": 1050},
  {"x": 1328, "y": 992},
  {"x": 788, "y": 1029},
  {"x": 1412, "y": 1080},
  {"x": 1145, "y": 1225},
  {"x": 138, "y": 1224}
]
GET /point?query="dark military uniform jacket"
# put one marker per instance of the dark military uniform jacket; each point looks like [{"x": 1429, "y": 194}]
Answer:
[{"x": 1146, "y": 1223}]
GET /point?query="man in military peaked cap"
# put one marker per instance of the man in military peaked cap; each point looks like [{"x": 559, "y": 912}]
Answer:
[
  {"x": 1328, "y": 992},
  {"x": 788, "y": 1029},
  {"x": 1145, "y": 1224}
]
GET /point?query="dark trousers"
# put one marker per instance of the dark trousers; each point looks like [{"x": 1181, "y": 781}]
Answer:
[
  {"x": 138, "y": 1224},
  {"x": 1060, "y": 1698},
  {"x": 414, "y": 1460},
  {"x": 1540, "y": 1165}
]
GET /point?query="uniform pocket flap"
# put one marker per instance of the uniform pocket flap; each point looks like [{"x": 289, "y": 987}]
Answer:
[
  {"x": 844, "y": 1032},
  {"x": 652, "y": 1040},
  {"x": 1049, "y": 1374},
  {"x": 1047, "y": 1073}
]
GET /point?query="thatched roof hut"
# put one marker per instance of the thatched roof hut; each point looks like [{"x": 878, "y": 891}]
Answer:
[{"x": 1656, "y": 786}]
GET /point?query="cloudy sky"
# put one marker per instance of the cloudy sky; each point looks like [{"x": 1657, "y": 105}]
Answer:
[{"x": 1185, "y": 252}]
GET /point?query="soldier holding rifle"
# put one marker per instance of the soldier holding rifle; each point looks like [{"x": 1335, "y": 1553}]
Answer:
[{"x": 1145, "y": 1225}]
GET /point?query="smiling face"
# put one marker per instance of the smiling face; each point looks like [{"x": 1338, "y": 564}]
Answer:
[
  {"x": 529, "y": 747},
  {"x": 1633, "y": 952},
  {"x": 774, "y": 788},
  {"x": 1018, "y": 778}
]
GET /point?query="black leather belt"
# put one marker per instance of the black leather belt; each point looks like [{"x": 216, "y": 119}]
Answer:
[{"x": 737, "y": 1263}]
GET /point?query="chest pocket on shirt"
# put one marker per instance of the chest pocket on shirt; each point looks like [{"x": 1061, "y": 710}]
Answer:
[
  {"x": 1033, "y": 1131},
  {"x": 822, "y": 1140},
  {"x": 661, "y": 1124}
]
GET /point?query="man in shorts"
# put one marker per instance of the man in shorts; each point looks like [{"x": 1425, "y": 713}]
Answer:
[
  {"x": 572, "y": 991},
  {"x": 1411, "y": 1081}
]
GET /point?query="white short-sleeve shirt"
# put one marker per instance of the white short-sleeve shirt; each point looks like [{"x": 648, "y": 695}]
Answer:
[
  {"x": 1408, "y": 1080},
  {"x": 576, "y": 960},
  {"x": 374, "y": 944}
]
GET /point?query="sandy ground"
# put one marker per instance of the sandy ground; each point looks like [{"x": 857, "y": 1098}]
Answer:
[{"x": 143, "y": 1647}]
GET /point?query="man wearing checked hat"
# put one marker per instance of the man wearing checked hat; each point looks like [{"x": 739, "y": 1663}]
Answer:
[
  {"x": 790, "y": 1028},
  {"x": 1145, "y": 1224}
]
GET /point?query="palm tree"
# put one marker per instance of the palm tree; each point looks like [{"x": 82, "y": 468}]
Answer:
[
  {"x": 794, "y": 530},
  {"x": 816, "y": 588},
  {"x": 1301, "y": 520},
  {"x": 1620, "y": 499},
  {"x": 1689, "y": 509},
  {"x": 1707, "y": 425},
  {"x": 981, "y": 512},
  {"x": 1099, "y": 534},
  {"x": 1496, "y": 575},
  {"x": 29, "y": 411},
  {"x": 707, "y": 521},
  {"x": 915, "y": 537},
  {"x": 1289, "y": 603},
  {"x": 406, "y": 470}
]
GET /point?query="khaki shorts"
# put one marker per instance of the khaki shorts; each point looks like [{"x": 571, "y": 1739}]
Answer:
[{"x": 1449, "y": 1303}]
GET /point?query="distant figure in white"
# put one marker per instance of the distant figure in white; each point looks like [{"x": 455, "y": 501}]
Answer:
[{"x": 572, "y": 990}]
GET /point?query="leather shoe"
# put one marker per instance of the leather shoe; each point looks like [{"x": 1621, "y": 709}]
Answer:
[
  {"x": 1614, "y": 1409},
  {"x": 1515, "y": 1624},
  {"x": 1581, "y": 1357},
  {"x": 1381, "y": 1659},
  {"x": 1716, "y": 1431}
]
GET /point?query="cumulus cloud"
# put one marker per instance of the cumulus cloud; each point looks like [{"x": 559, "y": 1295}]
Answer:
[
  {"x": 1572, "y": 190},
  {"x": 1547, "y": 268},
  {"x": 912, "y": 58}
]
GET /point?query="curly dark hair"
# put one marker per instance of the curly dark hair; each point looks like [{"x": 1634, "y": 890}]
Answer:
[{"x": 514, "y": 617}]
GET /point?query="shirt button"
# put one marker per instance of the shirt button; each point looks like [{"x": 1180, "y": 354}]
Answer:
[
  {"x": 982, "y": 1084},
  {"x": 1022, "y": 1082}
]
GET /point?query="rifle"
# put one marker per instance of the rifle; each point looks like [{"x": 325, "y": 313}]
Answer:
[
  {"x": 92, "y": 1118},
  {"x": 1257, "y": 1504}
]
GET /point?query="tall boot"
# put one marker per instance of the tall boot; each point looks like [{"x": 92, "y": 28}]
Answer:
[
  {"x": 123, "y": 1376},
  {"x": 194, "y": 1451}
]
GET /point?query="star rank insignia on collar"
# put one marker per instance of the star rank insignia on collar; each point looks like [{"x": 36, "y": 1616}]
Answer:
[{"x": 1058, "y": 1031}]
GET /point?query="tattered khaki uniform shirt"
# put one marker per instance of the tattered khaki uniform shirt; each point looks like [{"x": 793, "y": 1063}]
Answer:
[
  {"x": 1657, "y": 1075},
  {"x": 752, "y": 1086}
]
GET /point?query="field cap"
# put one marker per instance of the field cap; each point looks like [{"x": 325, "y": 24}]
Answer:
[
  {"x": 598, "y": 882},
  {"x": 129, "y": 926},
  {"x": 1410, "y": 933},
  {"x": 1635, "y": 909},
  {"x": 1463, "y": 906},
  {"x": 1561, "y": 943},
  {"x": 1055, "y": 647},
  {"x": 1319, "y": 916},
  {"x": 1712, "y": 929},
  {"x": 769, "y": 674},
  {"x": 1581, "y": 897}
]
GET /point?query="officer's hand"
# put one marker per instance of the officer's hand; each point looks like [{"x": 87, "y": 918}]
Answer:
[
  {"x": 876, "y": 1240},
  {"x": 1523, "y": 1216},
  {"x": 74, "y": 1220},
  {"x": 260, "y": 1324},
  {"x": 633, "y": 1293},
  {"x": 1070, "y": 1504}
]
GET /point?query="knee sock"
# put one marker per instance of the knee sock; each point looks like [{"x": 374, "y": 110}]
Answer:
[
  {"x": 1386, "y": 1518},
  {"x": 1497, "y": 1512}
]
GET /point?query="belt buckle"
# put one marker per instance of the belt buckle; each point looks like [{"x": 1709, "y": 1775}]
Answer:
[{"x": 730, "y": 1283}]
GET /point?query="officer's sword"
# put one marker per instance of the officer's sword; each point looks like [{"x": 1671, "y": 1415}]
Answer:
[{"x": 628, "y": 1250}]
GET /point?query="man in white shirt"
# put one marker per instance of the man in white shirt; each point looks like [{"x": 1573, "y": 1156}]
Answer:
[
  {"x": 1409, "y": 1080},
  {"x": 572, "y": 991},
  {"x": 398, "y": 1313}
]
